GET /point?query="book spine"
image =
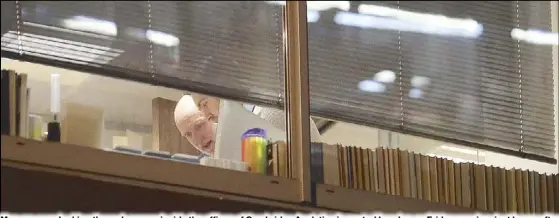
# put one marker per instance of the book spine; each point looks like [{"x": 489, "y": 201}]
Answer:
[{"x": 317, "y": 165}]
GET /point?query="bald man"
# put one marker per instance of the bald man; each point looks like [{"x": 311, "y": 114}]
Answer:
[
  {"x": 210, "y": 106},
  {"x": 195, "y": 126}
]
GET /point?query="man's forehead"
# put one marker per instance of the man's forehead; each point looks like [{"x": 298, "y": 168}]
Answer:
[
  {"x": 190, "y": 118},
  {"x": 199, "y": 98}
]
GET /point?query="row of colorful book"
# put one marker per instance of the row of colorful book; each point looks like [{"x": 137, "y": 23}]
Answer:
[{"x": 413, "y": 175}]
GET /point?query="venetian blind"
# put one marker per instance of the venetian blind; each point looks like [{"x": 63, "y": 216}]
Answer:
[
  {"x": 475, "y": 73},
  {"x": 228, "y": 49}
]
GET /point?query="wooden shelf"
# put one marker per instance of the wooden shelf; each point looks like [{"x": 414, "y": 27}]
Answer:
[
  {"x": 28, "y": 189},
  {"x": 96, "y": 164},
  {"x": 32, "y": 169}
]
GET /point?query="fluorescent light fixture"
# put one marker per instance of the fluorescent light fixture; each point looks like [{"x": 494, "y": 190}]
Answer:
[
  {"x": 58, "y": 49},
  {"x": 320, "y": 5},
  {"x": 395, "y": 19},
  {"x": 162, "y": 38},
  {"x": 371, "y": 86},
  {"x": 537, "y": 37},
  {"x": 462, "y": 150},
  {"x": 419, "y": 81},
  {"x": 90, "y": 24},
  {"x": 415, "y": 93},
  {"x": 385, "y": 76}
]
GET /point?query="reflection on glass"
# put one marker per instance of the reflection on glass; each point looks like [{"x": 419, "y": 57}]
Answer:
[
  {"x": 89, "y": 24},
  {"x": 371, "y": 86},
  {"x": 396, "y": 19},
  {"x": 537, "y": 37}
]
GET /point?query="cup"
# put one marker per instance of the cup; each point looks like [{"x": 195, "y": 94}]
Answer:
[{"x": 254, "y": 150}]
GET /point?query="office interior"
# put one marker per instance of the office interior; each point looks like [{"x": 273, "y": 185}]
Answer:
[{"x": 121, "y": 112}]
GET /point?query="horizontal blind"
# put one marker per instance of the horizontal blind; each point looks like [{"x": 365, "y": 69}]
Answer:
[
  {"x": 229, "y": 49},
  {"x": 339, "y": 58},
  {"x": 444, "y": 70}
]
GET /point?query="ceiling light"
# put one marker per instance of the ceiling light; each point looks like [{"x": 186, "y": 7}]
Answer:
[
  {"x": 415, "y": 93},
  {"x": 385, "y": 76},
  {"x": 313, "y": 16},
  {"x": 419, "y": 81},
  {"x": 162, "y": 38},
  {"x": 424, "y": 18},
  {"x": 535, "y": 36},
  {"x": 371, "y": 86},
  {"x": 58, "y": 49},
  {"x": 420, "y": 23},
  {"x": 89, "y": 24}
]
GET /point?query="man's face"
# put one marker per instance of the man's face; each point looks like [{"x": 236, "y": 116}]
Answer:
[
  {"x": 199, "y": 131},
  {"x": 210, "y": 107}
]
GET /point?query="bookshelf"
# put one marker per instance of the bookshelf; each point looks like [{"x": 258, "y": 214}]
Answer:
[
  {"x": 135, "y": 170},
  {"x": 79, "y": 164},
  {"x": 387, "y": 179}
]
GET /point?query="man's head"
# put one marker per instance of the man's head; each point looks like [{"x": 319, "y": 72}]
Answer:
[
  {"x": 207, "y": 104},
  {"x": 194, "y": 125}
]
